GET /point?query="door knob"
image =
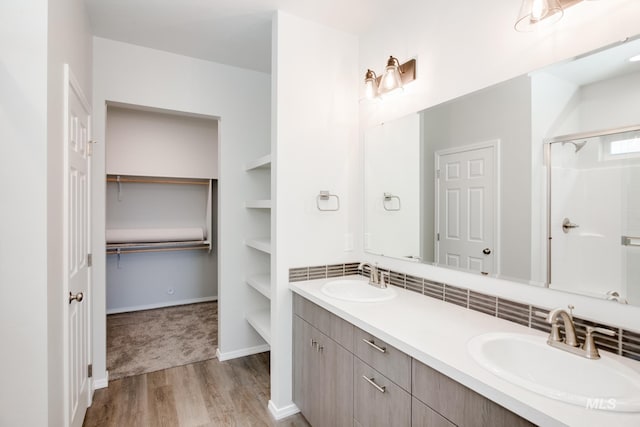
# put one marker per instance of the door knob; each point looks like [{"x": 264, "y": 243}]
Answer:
[
  {"x": 77, "y": 297},
  {"x": 486, "y": 251}
]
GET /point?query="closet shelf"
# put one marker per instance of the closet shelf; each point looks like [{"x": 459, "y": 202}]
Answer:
[
  {"x": 258, "y": 204},
  {"x": 261, "y": 283},
  {"x": 123, "y": 248},
  {"x": 261, "y": 322},
  {"x": 263, "y": 162},
  {"x": 262, "y": 244},
  {"x": 155, "y": 180}
]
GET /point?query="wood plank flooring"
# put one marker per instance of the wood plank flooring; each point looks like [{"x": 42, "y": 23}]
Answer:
[{"x": 209, "y": 393}]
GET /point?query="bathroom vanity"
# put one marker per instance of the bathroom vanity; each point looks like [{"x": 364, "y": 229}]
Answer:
[{"x": 405, "y": 362}]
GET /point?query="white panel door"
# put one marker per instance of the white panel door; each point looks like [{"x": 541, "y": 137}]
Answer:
[
  {"x": 466, "y": 217},
  {"x": 76, "y": 243}
]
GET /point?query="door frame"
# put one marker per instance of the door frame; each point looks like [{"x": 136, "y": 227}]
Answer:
[
  {"x": 72, "y": 84},
  {"x": 495, "y": 144}
]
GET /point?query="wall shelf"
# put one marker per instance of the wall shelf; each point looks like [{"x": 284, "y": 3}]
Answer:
[
  {"x": 263, "y": 162},
  {"x": 261, "y": 322},
  {"x": 258, "y": 204},
  {"x": 262, "y": 244},
  {"x": 261, "y": 283}
]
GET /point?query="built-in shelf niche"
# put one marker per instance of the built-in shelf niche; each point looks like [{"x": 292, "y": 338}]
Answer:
[
  {"x": 258, "y": 204},
  {"x": 259, "y": 171},
  {"x": 263, "y": 162},
  {"x": 262, "y": 244},
  {"x": 261, "y": 283},
  {"x": 261, "y": 322}
]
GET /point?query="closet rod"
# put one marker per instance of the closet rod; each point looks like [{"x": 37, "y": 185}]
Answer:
[
  {"x": 157, "y": 181},
  {"x": 134, "y": 251}
]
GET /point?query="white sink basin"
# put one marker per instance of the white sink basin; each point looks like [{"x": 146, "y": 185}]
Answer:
[
  {"x": 528, "y": 361},
  {"x": 357, "y": 290}
]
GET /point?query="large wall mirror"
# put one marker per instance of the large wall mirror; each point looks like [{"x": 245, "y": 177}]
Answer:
[{"x": 465, "y": 184}]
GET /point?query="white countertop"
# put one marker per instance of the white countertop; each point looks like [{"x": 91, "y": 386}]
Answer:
[{"x": 436, "y": 333}]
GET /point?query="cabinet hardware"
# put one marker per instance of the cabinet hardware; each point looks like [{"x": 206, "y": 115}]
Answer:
[
  {"x": 373, "y": 344},
  {"x": 371, "y": 381},
  {"x": 314, "y": 343},
  {"x": 320, "y": 348}
]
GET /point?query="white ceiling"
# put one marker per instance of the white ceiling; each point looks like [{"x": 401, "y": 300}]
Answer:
[{"x": 233, "y": 32}]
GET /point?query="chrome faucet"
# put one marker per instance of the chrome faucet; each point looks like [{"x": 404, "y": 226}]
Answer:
[
  {"x": 570, "y": 342},
  {"x": 376, "y": 278}
]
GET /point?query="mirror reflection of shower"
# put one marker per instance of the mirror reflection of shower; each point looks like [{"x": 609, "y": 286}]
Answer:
[{"x": 594, "y": 214}]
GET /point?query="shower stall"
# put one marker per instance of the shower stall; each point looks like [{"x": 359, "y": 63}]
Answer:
[{"x": 593, "y": 211}]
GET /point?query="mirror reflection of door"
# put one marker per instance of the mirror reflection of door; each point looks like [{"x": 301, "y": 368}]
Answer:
[{"x": 466, "y": 207}]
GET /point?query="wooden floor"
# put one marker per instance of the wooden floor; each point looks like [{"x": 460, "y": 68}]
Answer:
[{"x": 209, "y": 393}]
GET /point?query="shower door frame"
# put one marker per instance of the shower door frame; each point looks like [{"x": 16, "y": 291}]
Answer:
[{"x": 547, "y": 161}]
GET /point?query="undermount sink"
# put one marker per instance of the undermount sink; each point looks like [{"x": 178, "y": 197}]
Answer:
[
  {"x": 528, "y": 361},
  {"x": 357, "y": 290}
]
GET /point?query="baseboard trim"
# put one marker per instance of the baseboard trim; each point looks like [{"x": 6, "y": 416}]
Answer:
[
  {"x": 101, "y": 382},
  {"x": 241, "y": 353},
  {"x": 160, "y": 305},
  {"x": 284, "y": 412}
]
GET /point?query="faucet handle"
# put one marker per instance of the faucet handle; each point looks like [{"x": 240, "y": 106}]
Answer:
[
  {"x": 604, "y": 331},
  {"x": 589, "y": 346}
]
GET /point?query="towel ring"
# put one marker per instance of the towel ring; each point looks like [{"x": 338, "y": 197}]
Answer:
[
  {"x": 387, "y": 198},
  {"x": 324, "y": 196}
]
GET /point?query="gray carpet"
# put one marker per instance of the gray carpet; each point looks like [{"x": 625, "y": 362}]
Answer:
[{"x": 151, "y": 340}]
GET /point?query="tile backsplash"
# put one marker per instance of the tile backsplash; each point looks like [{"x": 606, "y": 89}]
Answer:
[{"x": 626, "y": 343}]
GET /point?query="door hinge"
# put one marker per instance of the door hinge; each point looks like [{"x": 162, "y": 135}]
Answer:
[
  {"x": 90, "y": 371},
  {"x": 90, "y": 146},
  {"x": 438, "y": 237},
  {"x": 438, "y": 173},
  {"x": 90, "y": 260}
]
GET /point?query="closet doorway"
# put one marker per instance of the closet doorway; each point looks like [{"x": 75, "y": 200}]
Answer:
[{"x": 161, "y": 267}]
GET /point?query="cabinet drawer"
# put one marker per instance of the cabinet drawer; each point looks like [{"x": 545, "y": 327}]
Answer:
[
  {"x": 459, "y": 404},
  {"x": 326, "y": 322},
  {"x": 423, "y": 416},
  {"x": 386, "y": 359},
  {"x": 377, "y": 400}
]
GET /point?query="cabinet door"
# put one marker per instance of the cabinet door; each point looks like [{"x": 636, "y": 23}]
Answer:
[
  {"x": 305, "y": 371},
  {"x": 377, "y": 400},
  {"x": 336, "y": 383},
  {"x": 423, "y": 416}
]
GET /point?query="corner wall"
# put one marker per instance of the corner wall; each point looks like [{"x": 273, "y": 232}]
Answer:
[
  {"x": 136, "y": 75},
  {"x": 314, "y": 130}
]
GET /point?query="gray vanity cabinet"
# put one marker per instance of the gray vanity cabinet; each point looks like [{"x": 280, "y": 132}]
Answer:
[
  {"x": 344, "y": 376},
  {"x": 459, "y": 404},
  {"x": 323, "y": 372}
]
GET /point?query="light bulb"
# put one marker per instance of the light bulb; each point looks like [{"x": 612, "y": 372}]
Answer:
[
  {"x": 539, "y": 9},
  {"x": 391, "y": 79},
  {"x": 370, "y": 85}
]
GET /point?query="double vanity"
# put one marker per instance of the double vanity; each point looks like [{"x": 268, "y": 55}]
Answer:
[{"x": 369, "y": 355}]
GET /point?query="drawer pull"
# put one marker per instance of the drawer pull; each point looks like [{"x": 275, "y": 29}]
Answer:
[
  {"x": 372, "y": 344},
  {"x": 371, "y": 381}
]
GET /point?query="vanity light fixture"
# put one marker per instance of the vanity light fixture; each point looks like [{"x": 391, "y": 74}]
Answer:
[
  {"x": 538, "y": 13},
  {"x": 534, "y": 13},
  {"x": 395, "y": 77}
]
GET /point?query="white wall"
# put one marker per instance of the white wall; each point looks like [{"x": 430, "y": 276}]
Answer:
[
  {"x": 240, "y": 98},
  {"x": 315, "y": 83},
  {"x": 460, "y": 49},
  {"x": 23, "y": 264},
  {"x": 35, "y": 41},
  {"x": 154, "y": 143}
]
